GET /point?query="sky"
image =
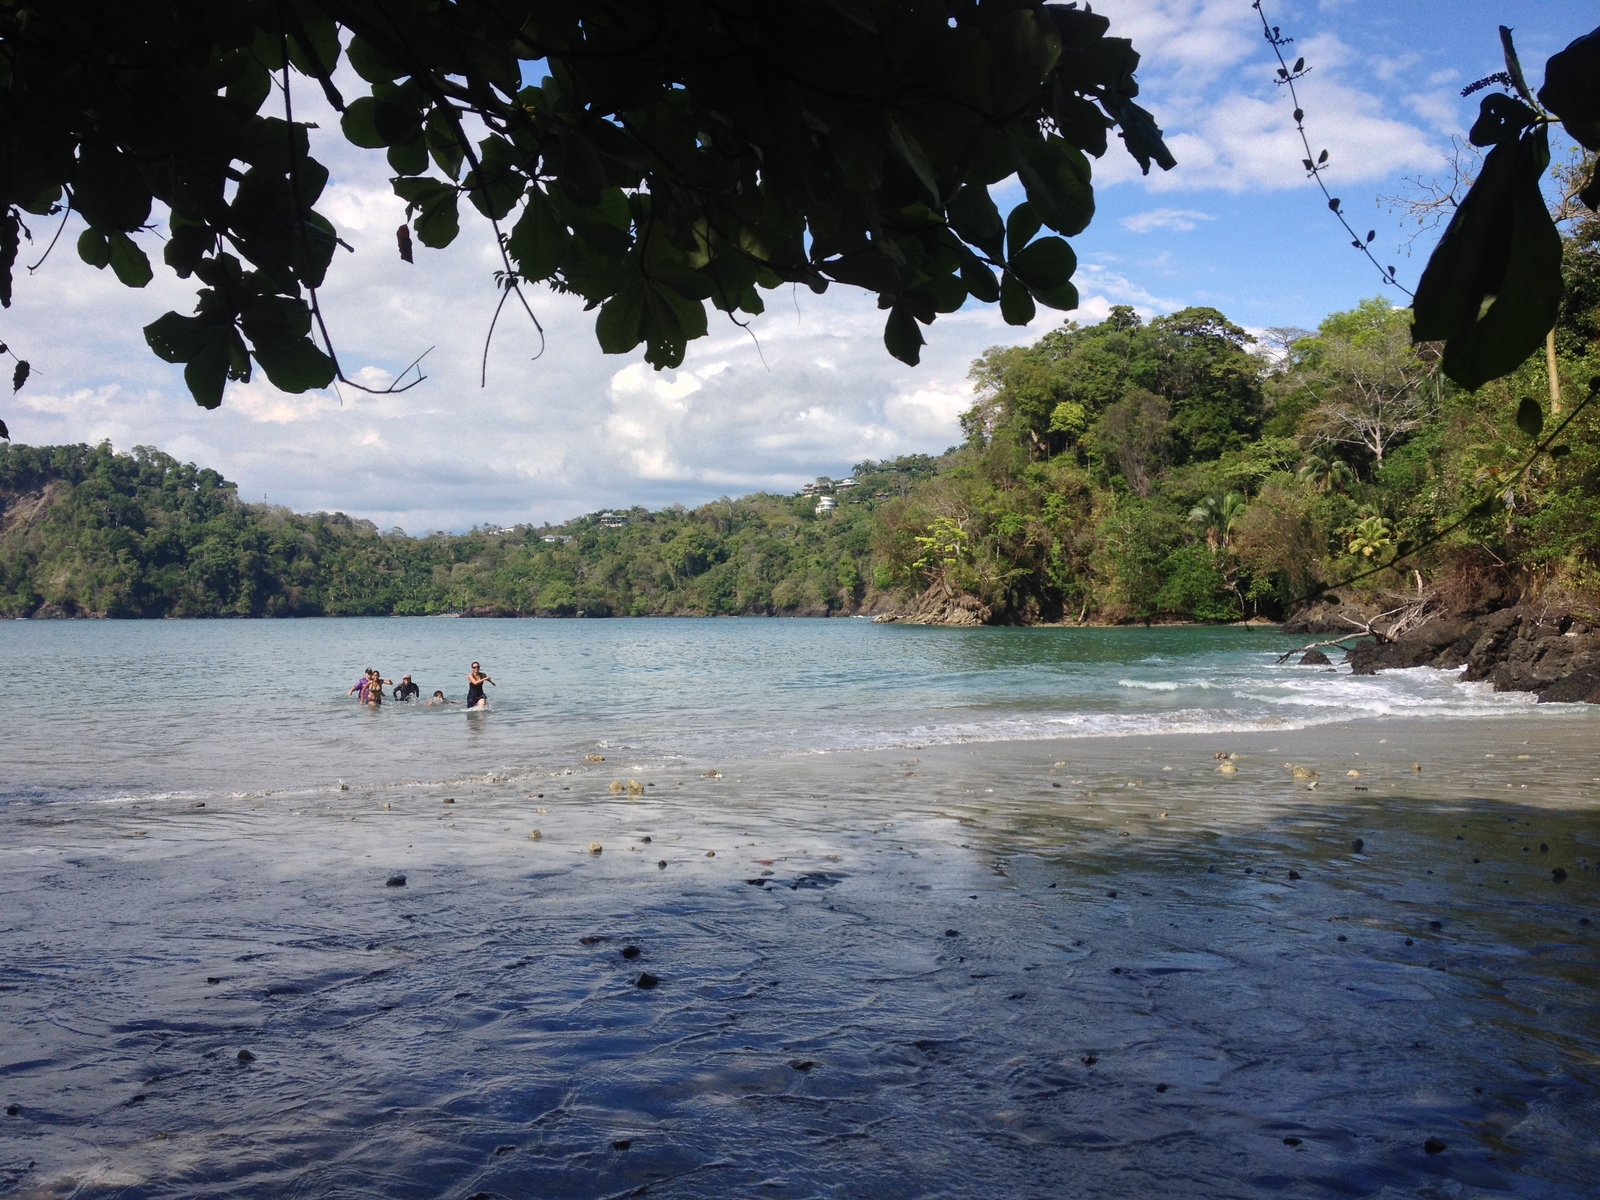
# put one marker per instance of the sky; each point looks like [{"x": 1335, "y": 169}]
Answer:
[{"x": 809, "y": 390}]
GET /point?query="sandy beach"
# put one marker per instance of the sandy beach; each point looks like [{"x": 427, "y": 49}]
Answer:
[{"x": 1089, "y": 967}]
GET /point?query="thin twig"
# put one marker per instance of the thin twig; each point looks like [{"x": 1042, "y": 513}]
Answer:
[
  {"x": 1316, "y": 164},
  {"x": 394, "y": 388},
  {"x": 65, "y": 213}
]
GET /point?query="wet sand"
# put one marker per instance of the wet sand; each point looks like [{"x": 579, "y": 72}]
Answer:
[{"x": 998, "y": 969}]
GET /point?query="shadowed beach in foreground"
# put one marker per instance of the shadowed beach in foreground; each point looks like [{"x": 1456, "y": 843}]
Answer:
[{"x": 1032, "y": 968}]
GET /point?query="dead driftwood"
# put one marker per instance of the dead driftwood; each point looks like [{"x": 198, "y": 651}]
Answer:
[{"x": 1413, "y": 614}]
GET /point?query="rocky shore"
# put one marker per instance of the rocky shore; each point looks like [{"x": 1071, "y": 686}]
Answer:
[{"x": 1547, "y": 649}]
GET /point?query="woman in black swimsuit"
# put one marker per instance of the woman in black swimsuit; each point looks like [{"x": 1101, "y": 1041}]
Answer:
[{"x": 475, "y": 681}]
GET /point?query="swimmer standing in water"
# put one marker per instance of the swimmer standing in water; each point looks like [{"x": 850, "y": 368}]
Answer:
[{"x": 475, "y": 681}]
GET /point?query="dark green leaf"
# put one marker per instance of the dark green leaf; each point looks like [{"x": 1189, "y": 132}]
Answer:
[
  {"x": 617, "y": 326},
  {"x": 1022, "y": 51},
  {"x": 1572, "y": 89},
  {"x": 974, "y": 216},
  {"x": 129, "y": 261},
  {"x": 437, "y": 221},
  {"x": 360, "y": 124},
  {"x": 1530, "y": 417},
  {"x": 902, "y": 335},
  {"x": 1022, "y": 223},
  {"x": 537, "y": 240},
  {"x": 1016, "y": 305},
  {"x": 908, "y": 150},
  {"x": 4, "y": 432},
  {"x": 1527, "y": 297},
  {"x": 1045, "y": 265},
  {"x": 369, "y": 64},
  {"x": 19, "y": 377},
  {"x": 10, "y": 233},
  {"x": 978, "y": 278},
  {"x": 1056, "y": 177},
  {"x": 495, "y": 186},
  {"x": 94, "y": 249}
]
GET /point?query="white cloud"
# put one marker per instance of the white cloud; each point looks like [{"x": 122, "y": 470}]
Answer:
[{"x": 1180, "y": 219}]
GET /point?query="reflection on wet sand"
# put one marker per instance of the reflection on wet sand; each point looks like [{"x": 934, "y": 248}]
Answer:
[{"x": 1096, "y": 968}]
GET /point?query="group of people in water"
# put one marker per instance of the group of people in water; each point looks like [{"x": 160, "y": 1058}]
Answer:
[{"x": 368, "y": 690}]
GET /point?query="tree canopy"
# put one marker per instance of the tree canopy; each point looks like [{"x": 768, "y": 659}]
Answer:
[{"x": 673, "y": 152}]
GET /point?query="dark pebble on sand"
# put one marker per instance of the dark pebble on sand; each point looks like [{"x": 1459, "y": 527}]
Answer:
[
  {"x": 1291, "y": 1141},
  {"x": 213, "y": 979},
  {"x": 1409, "y": 942},
  {"x": 246, "y": 1056},
  {"x": 630, "y": 952},
  {"x": 1559, "y": 874},
  {"x": 1459, "y": 838},
  {"x": 395, "y": 881},
  {"x": 647, "y": 981},
  {"x": 1113, "y": 895},
  {"x": 801, "y": 1064},
  {"x": 449, "y": 799},
  {"x": 1161, "y": 1087},
  {"x": 590, "y": 939},
  {"x": 1294, "y": 874},
  {"x": 499, "y": 1150},
  {"x": 662, "y": 864},
  {"x": 198, "y": 804},
  {"x": 1477, "y": 860},
  {"x": 1583, "y": 920},
  {"x": 622, "y": 1143},
  {"x": 952, "y": 933},
  {"x": 1357, "y": 845},
  {"x": 1116, "y": 970},
  {"x": 372, "y": 945},
  {"x": 13, "y": 1110},
  {"x": 1434, "y": 1146},
  {"x": 1089, "y": 1060},
  {"x": 1435, "y": 924},
  {"x": 1544, "y": 847},
  {"x": 645, "y": 839},
  {"x": 1055, "y": 785},
  {"x": 1342, "y": 938}
]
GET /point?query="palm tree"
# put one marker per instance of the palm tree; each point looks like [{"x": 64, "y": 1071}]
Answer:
[
  {"x": 1217, "y": 516},
  {"x": 1370, "y": 536},
  {"x": 1326, "y": 474}
]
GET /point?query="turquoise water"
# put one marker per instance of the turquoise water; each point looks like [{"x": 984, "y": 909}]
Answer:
[
  {"x": 117, "y": 710},
  {"x": 972, "y": 964}
]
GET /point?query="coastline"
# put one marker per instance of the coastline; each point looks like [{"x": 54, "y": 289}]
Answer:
[{"x": 1150, "y": 979}]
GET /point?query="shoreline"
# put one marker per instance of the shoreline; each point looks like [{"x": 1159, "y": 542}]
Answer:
[{"x": 1047, "y": 956}]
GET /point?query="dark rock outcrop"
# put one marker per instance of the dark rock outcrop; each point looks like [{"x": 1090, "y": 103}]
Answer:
[{"x": 1530, "y": 648}]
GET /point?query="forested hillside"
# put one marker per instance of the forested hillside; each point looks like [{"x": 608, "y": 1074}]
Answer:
[{"x": 1174, "y": 469}]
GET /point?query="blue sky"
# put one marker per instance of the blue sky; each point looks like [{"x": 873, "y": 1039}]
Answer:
[{"x": 1236, "y": 226}]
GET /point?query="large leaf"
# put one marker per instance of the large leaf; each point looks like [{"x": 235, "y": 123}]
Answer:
[
  {"x": 902, "y": 336},
  {"x": 1016, "y": 305},
  {"x": 974, "y": 216},
  {"x": 1056, "y": 177},
  {"x": 1492, "y": 291},
  {"x": 496, "y": 184},
  {"x": 1572, "y": 89},
  {"x": 437, "y": 221},
  {"x": 537, "y": 240}
]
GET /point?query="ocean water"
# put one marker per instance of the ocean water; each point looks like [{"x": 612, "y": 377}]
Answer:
[
  {"x": 842, "y": 910},
  {"x": 120, "y": 710}
]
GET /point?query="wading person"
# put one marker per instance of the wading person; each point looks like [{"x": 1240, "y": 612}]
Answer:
[
  {"x": 406, "y": 690},
  {"x": 475, "y": 681}
]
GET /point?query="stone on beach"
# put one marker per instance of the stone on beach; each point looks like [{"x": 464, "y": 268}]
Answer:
[
  {"x": 1226, "y": 767},
  {"x": 630, "y": 952},
  {"x": 1304, "y": 773},
  {"x": 595, "y": 847},
  {"x": 594, "y": 758},
  {"x": 534, "y": 835},
  {"x": 395, "y": 881},
  {"x": 245, "y": 1056},
  {"x": 1315, "y": 658},
  {"x": 1358, "y": 845},
  {"x": 635, "y": 788},
  {"x": 616, "y": 785},
  {"x": 646, "y": 981},
  {"x": 1434, "y": 1146}
]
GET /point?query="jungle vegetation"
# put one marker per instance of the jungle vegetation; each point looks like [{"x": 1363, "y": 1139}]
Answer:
[{"x": 1131, "y": 470}]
